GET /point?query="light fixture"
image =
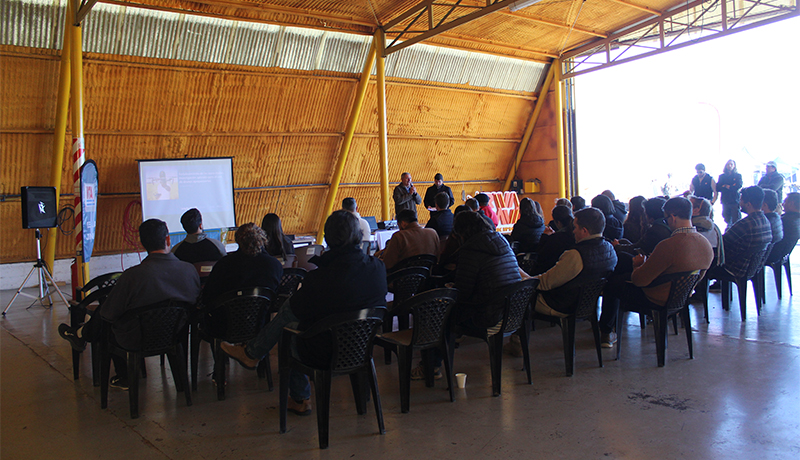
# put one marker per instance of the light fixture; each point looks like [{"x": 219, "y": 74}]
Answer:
[{"x": 516, "y": 6}]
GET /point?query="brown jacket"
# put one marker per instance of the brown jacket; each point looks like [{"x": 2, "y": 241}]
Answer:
[
  {"x": 412, "y": 241},
  {"x": 682, "y": 252}
]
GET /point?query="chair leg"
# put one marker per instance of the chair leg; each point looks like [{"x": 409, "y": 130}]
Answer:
[
  {"x": 376, "y": 396},
  {"x": 596, "y": 332},
  {"x": 173, "y": 367},
  {"x": 357, "y": 383},
  {"x": 758, "y": 287},
  {"x": 322, "y": 388},
  {"x": 427, "y": 365},
  {"x": 195, "y": 354},
  {"x": 741, "y": 286},
  {"x": 387, "y": 327},
  {"x": 448, "y": 368},
  {"x": 105, "y": 370},
  {"x": 495, "y": 343},
  {"x": 687, "y": 324},
  {"x": 620, "y": 322},
  {"x": 404, "y": 358},
  {"x": 283, "y": 390},
  {"x": 219, "y": 370},
  {"x": 134, "y": 363},
  {"x": 675, "y": 324},
  {"x": 776, "y": 273},
  {"x": 568, "y": 337},
  {"x": 184, "y": 376},
  {"x": 660, "y": 329},
  {"x": 524, "y": 334},
  {"x": 264, "y": 370},
  {"x": 788, "y": 267},
  {"x": 726, "y": 294},
  {"x": 703, "y": 289}
]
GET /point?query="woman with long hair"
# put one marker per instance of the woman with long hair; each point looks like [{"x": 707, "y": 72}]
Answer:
[
  {"x": 636, "y": 222},
  {"x": 278, "y": 244},
  {"x": 729, "y": 183},
  {"x": 528, "y": 228}
]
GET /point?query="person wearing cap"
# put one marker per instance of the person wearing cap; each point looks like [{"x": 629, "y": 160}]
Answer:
[
  {"x": 438, "y": 187},
  {"x": 772, "y": 180},
  {"x": 703, "y": 185}
]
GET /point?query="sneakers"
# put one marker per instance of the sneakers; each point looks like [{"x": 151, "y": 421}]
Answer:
[
  {"x": 117, "y": 382},
  {"x": 514, "y": 347},
  {"x": 238, "y": 353},
  {"x": 301, "y": 408},
  {"x": 70, "y": 335},
  {"x": 418, "y": 373},
  {"x": 608, "y": 340}
]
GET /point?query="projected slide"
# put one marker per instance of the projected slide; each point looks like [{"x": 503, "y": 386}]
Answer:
[{"x": 171, "y": 187}]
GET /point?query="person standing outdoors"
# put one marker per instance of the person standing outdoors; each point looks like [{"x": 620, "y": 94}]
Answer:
[
  {"x": 729, "y": 184},
  {"x": 703, "y": 185}
]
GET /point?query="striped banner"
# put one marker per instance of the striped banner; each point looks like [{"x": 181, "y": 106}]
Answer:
[{"x": 77, "y": 162}]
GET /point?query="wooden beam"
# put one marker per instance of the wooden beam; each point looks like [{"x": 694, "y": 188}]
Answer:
[
  {"x": 552, "y": 23},
  {"x": 636, "y": 7},
  {"x": 487, "y": 42}
]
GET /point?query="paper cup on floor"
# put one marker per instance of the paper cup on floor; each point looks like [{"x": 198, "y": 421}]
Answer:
[{"x": 461, "y": 380}]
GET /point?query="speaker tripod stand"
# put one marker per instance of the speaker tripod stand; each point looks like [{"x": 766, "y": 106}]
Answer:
[{"x": 43, "y": 275}]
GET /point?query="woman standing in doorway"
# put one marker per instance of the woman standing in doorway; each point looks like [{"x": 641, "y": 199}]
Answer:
[{"x": 729, "y": 183}]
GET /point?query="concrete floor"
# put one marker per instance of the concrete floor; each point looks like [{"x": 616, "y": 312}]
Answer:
[{"x": 738, "y": 398}]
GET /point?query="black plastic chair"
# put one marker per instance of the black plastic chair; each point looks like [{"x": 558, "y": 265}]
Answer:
[
  {"x": 305, "y": 253},
  {"x": 236, "y": 317},
  {"x": 351, "y": 335},
  {"x": 681, "y": 287},
  {"x": 430, "y": 310},
  {"x": 516, "y": 318},
  {"x": 96, "y": 290},
  {"x": 526, "y": 261},
  {"x": 420, "y": 260},
  {"x": 404, "y": 284},
  {"x": 755, "y": 264},
  {"x": 163, "y": 328},
  {"x": 291, "y": 279},
  {"x": 204, "y": 269},
  {"x": 775, "y": 265},
  {"x": 586, "y": 309}
]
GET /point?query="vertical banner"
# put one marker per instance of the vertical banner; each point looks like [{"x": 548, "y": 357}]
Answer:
[
  {"x": 77, "y": 163},
  {"x": 88, "y": 207}
]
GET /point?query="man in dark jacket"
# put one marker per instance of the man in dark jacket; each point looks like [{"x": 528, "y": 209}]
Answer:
[
  {"x": 438, "y": 187},
  {"x": 160, "y": 276},
  {"x": 197, "y": 247},
  {"x": 442, "y": 219},
  {"x": 772, "y": 179},
  {"x": 703, "y": 184},
  {"x": 592, "y": 258},
  {"x": 555, "y": 241},
  {"x": 791, "y": 228},
  {"x": 346, "y": 280}
]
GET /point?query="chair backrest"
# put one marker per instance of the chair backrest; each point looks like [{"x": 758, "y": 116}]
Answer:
[
  {"x": 756, "y": 261},
  {"x": 204, "y": 269},
  {"x": 304, "y": 254},
  {"x": 419, "y": 260},
  {"x": 351, "y": 335},
  {"x": 291, "y": 279},
  {"x": 430, "y": 310},
  {"x": 682, "y": 286},
  {"x": 407, "y": 282},
  {"x": 517, "y": 302},
  {"x": 161, "y": 325},
  {"x": 526, "y": 261},
  {"x": 290, "y": 261},
  {"x": 238, "y": 315},
  {"x": 108, "y": 280},
  {"x": 587, "y": 299}
]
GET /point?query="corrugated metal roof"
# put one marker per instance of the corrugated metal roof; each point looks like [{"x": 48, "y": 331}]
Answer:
[{"x": 116, "y": 29}]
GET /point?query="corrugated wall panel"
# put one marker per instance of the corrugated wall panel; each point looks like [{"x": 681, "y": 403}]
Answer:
[{"x": 31, "y": 104}]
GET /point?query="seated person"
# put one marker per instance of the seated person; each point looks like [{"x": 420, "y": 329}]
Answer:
[
  {"x": 745, "y": 239},
  {"x": 483, "y": 201},
  {"x": 249, "y": 266},
  {"x": 278, "y": 244},
  {"x": 412, "y": 239},
  {"x": 791, "y": 228},
  {"x": 636, "y": 223},
  {"x": 685, "y": 250},
  {"x": 620, "y": 211},
  {"x": 613, "y": 227},
  {"x": 769, "y": 207},
  {"x": 349, "y": 204},
  {"x": 701, "y": 219},
  {"x": 656, "y": 231},
  {"x": 160, "y": 276},
  {"x": 578, "y": 203},
  {"x": 346, "y": 280},
  {"x": 592, "y": 258},
  {"x": 473, "y": 206},
  {"x": 197, "y": 247},
  {"x": 485, "y": 264},
  {"x": 528, "y": 229},
  {"x": 442, "y": 219},
  {"x": 554, "y": 241}
]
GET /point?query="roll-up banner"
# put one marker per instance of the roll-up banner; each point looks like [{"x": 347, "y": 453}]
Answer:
[{"x": 88, "y": 207}]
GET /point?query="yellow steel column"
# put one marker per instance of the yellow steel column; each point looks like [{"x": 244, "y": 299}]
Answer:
[
  {"x": 62, "y": 110},
  {"x": 559, "y": 96},
  {"x": 380, "y": 45},
  {"x": 537, "y": 110},
  {"x": 78, "y": 144},
  {"x": 347, "y": 142}
]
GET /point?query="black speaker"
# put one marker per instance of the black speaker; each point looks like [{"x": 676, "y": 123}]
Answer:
[{"x": 39, "y": 207}]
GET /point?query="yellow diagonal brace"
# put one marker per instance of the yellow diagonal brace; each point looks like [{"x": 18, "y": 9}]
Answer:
[
  {"x": 347, "y": 142},
  {"x": 537, "y": 110},
  {"x": 383, "y": 145},
  {"x": 62, "y": 111}
]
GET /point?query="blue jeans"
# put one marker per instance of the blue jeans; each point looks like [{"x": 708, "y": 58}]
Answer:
[{"x": 259, "y": 347}]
